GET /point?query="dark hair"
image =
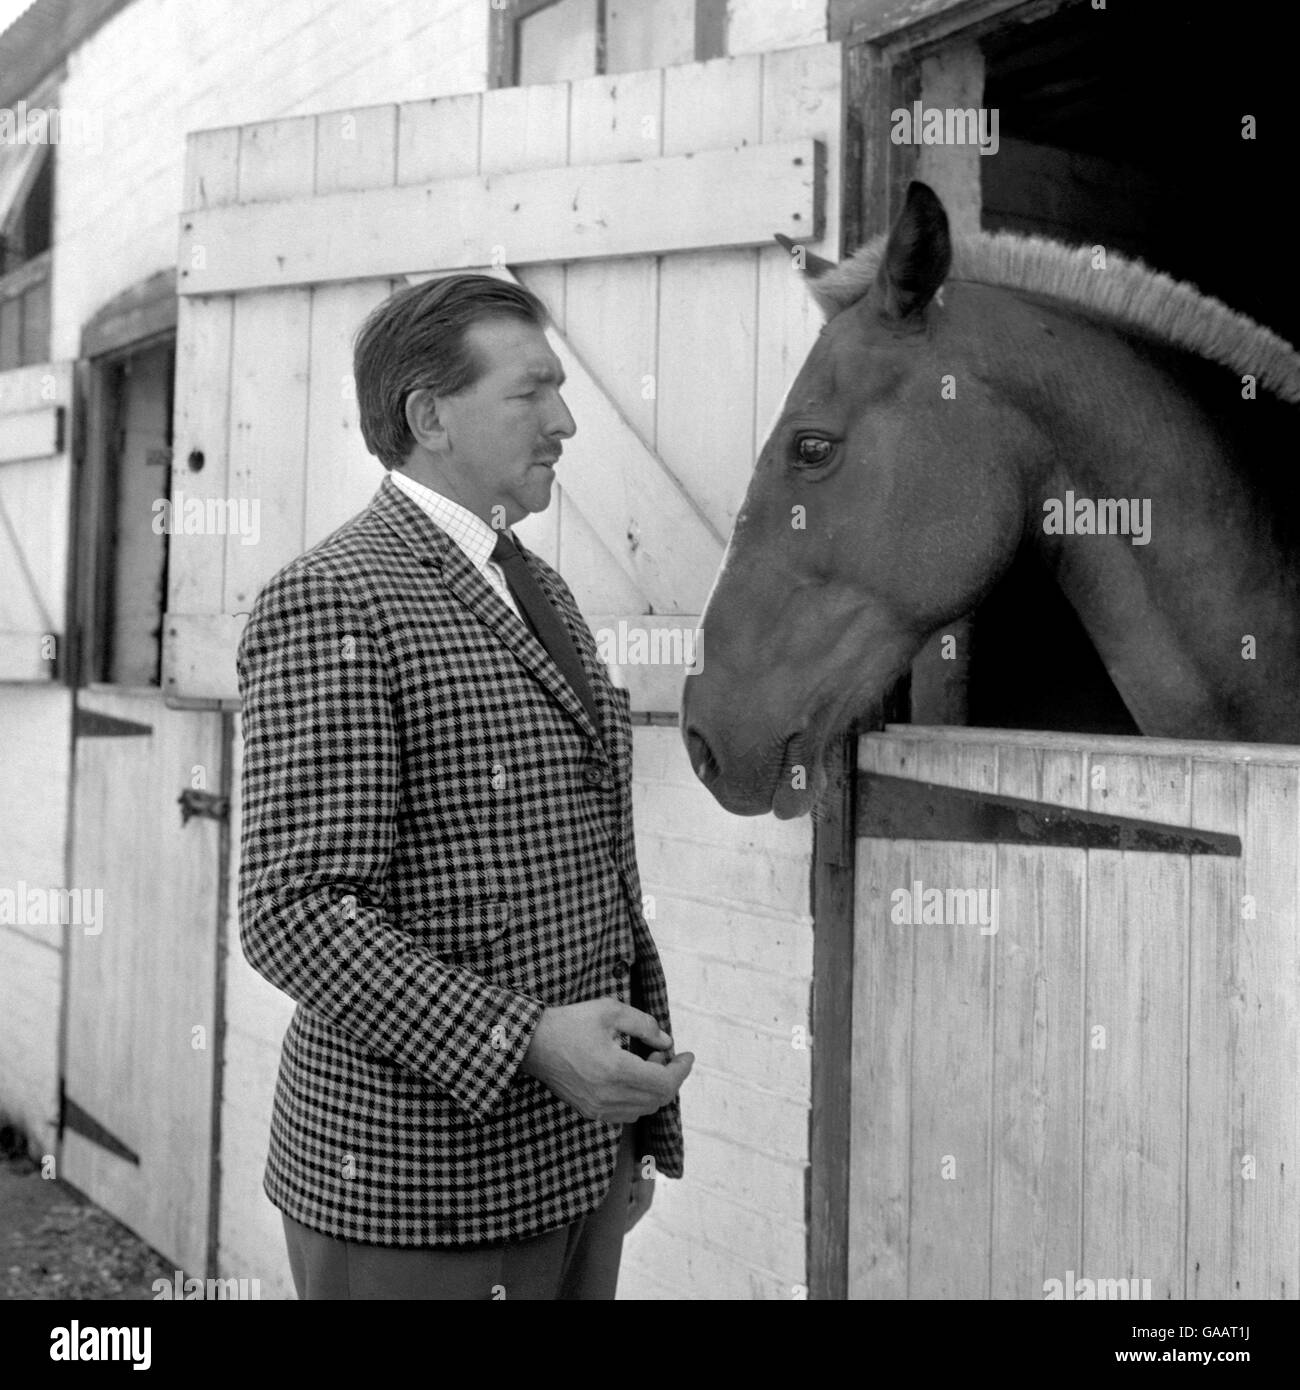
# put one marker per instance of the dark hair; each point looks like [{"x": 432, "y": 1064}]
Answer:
[{"x": 415, "y": 340}]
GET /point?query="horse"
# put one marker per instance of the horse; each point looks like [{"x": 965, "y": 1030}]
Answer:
[{"x": 966, "y": 401}]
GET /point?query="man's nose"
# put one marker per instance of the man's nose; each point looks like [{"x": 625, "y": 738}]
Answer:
[{"x": 562, "y": 424}]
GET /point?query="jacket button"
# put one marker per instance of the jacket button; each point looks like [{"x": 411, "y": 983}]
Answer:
[
  {"x": 593, "y": 776},
  {"x": 620, "y": 969}
]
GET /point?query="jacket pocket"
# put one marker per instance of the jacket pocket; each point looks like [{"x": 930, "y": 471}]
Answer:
[{"x": 471, "y": 933}]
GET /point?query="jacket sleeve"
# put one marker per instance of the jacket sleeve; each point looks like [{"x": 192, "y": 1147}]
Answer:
[{"x": 319, "y": 802}]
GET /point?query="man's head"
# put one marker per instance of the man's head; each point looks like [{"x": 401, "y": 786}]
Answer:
[{"x": 458, "y": 386}]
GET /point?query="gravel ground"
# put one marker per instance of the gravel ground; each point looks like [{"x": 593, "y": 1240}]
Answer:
[{"x": 54, "y": 1244}]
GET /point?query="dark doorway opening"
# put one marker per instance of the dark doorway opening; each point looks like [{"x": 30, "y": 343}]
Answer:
[
  {"x": 1124, "y": 127},
  {"x": 132, "y": 411}
]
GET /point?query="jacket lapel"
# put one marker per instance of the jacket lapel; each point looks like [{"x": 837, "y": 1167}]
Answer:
[{"x": 434, "y": 548}]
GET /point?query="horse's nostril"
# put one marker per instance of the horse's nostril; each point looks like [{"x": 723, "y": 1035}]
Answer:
[{"x": 702, "y": 760}]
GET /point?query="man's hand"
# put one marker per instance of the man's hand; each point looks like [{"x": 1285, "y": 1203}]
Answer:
[{"x": 575, "y": 1053}]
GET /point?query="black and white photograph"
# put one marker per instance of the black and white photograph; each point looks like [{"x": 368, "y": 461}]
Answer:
[{"x": 650, "y": 652}]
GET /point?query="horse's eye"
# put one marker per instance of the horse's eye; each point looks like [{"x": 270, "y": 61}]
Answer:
[{"x": 810, "y": 451}]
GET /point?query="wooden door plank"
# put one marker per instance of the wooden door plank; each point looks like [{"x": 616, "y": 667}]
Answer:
[
  {"x": 1243, "y": 1120},
  {"x": 714, "y": 105},
  {"x": 36, "y": 387},
  {"x": 1104, "y": 744},
  {"x": 1221, "y": 950},
  {"x": 593, "y": 211},
  {"x": 356, "y": 149},
  {"x": 211, "y": 168},
  {"x": 952, "y": 1055},
  {"x": 33, "y": 548},
  {"x": 277, "y": 160},
  {"x": 523, "y": 128},
  {"x": 616, "y": 118},
  {"x": 342, "y": 476},
  {"x": 1136, "y": 991},
  {"x": 1266, "y": 1094},
  {"x": 201, "y": 447},
  {"x": 1038, "y": 1039},
  {"x": 142, "y": 990},
  {"x": 438, "y": 139},
  {"x": 884, "y": 987},
  {"x": 268, "y": 437},
  {"x": 199, "y": 656},
  {"x": 29, "y": 434}
]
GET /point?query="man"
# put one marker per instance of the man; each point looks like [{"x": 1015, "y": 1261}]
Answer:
[{"x": 437, "y": 859}]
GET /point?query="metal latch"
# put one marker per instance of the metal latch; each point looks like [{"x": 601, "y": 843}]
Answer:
[{"x": 197, "y": 803}]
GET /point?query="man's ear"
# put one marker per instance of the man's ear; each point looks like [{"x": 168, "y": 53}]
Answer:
[{"x": 423, "y": 420}]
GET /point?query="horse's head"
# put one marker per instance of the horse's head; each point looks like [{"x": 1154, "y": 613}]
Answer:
[{"x": 885, "y": 503}]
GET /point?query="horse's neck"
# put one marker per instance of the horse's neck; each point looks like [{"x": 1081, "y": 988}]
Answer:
[{"x": 1171, "y": 618}]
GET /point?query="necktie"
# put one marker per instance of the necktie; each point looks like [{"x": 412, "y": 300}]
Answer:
[{"x": 547, "y": 626}]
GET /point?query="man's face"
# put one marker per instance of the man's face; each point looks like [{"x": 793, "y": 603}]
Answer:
[{"x": 504, "y": 434}]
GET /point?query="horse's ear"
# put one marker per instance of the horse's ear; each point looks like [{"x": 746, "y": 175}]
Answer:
[
  {"x": 918, "y": 254},
  {"x": 813, "y": 267}
]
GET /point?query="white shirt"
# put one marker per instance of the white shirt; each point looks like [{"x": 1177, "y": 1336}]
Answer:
[{"x": 476, "y": 539}]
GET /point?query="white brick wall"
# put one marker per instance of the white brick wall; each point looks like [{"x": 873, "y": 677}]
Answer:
[{"x": 732, "y": 923}]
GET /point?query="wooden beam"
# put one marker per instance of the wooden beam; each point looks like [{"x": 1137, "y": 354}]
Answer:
[
  {"x": 913, "y": 23},
  {"x": 22, "y": 657},
  {"x": 30, "y": 434},
  {"x": 35, "y": 387},
  {"x": 830, "y": 1116},
  {"x": 716, "y": 198},
  {"x": 199, "y": 655}
]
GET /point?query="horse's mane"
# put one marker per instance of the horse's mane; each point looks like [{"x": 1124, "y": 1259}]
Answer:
[{"x": 1127, "y": 292}]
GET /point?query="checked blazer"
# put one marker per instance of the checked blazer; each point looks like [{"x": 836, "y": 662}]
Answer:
[{"x": 436, "y": 844}]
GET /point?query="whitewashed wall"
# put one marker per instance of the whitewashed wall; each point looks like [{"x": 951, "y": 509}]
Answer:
[
  {"x": 162, "y": 68},
  {"x": 759, "y": 26},
  {"x": 732, "y": 924}
]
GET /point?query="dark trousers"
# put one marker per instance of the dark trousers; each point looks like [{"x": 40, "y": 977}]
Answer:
[{"x": 578, "y": 1261}]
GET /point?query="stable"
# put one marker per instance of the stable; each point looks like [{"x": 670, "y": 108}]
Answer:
[{"x": 878, "y": 1111}]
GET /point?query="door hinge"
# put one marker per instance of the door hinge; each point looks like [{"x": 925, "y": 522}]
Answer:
[
  {"x": 90, "y": 723},
  {"x": 898, "y": 808},
  {"x": 73, "y": 1117},
  {"x": 197, "y": 803}
]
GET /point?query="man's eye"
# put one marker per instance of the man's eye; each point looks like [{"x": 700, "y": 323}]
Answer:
[{"x": 811, "y": 451}]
